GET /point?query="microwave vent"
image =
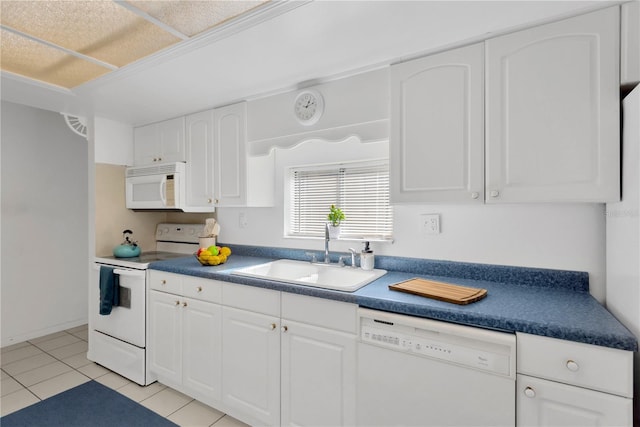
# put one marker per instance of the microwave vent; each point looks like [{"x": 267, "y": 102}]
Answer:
[{"x": 161, "y": 169}]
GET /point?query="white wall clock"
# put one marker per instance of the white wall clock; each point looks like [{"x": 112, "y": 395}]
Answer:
[{"x": 308, "y": 107}]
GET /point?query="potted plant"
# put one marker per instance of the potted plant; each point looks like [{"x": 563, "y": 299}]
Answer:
[{"x": 335, "y": 217}]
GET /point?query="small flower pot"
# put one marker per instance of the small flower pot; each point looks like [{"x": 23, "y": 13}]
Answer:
[{"x": 334, "y": 231}]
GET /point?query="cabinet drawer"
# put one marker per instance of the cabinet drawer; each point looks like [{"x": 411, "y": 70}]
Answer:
[
  {"x": 599, "y": 368},
  {"x": 337, "y": 315},
  {"x": 202, "y": 289},
  {"x": 259, "y": 300},
  {"x": 165, "y": 282}
]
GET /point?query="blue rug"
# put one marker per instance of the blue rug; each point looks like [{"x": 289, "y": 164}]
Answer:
[{"x": 88, "y": 405}]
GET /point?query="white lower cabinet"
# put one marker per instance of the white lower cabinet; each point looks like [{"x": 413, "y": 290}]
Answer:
[
  {"x": 562, "y": 383},
  {"x": 318, "y": 362},
  {"x": 549, "y": 403},
  {"x": 294, "y": 370},
  {"x": 251, "y": 365},
  {"x": 185, "y": 338}
]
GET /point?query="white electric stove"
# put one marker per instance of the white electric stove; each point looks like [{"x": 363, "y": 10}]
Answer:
[{"x": 117, "y": 340}]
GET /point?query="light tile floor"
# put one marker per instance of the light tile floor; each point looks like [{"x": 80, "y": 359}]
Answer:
[{"x": 40, "y": 368}]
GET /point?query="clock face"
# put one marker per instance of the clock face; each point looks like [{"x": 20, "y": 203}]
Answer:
[{"x": 308, "y": 107}]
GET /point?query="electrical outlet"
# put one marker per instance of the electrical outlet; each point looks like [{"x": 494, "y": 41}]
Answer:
[
  {"x": 242, "y": 220},
  {"x": 429, "y": 224}
]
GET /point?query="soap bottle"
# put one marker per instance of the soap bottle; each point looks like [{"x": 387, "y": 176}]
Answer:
[{"x": 366, "y": 258}]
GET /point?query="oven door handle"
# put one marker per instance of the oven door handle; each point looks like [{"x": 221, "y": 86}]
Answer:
[{"x": 132, "y": 273}]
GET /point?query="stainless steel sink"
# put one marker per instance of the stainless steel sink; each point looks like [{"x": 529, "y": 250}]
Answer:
[{"x": 328, "y": 276}]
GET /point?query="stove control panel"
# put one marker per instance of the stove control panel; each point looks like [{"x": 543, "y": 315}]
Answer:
[{"x": 181, "y": 233}]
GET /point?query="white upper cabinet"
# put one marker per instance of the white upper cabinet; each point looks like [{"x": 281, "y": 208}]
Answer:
[
  {"x": 437, "y": 124},
  {"x": 230, "y": 179},
  {"x": 219, "y": 170},
  {"x": 199, "y": 170},
  {"x": 552, "y": 112},
  {"x": 547, "y": 129},
  {"x": 161, "y": 142}
]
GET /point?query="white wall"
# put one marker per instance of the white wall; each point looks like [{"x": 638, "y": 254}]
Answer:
[
  {"x": 44, "y": 224},
  {"x": 559, "y": 236}
]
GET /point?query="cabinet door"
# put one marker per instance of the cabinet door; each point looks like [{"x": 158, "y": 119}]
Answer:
[
  {"x": 171, "y": 140},
  {"x": 548, "y": 403},
  {"x": 165, "y": 337},
  {"x": 437, "y": 128},
  {"x": 318, "y": 376},
  {"x": 199, "y": 156},
  {"x": 230, "y": 154},
  {"x": 553, "y": 112},
  {"x": 251, "y": 360},
  {"x": 202, "y": 338},
  {"x": 145, "y": 145}
]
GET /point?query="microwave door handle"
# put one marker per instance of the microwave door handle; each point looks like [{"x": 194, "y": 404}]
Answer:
[{"x": 163, "y": 190}]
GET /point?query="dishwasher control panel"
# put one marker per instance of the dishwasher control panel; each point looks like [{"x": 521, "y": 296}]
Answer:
[{"x": 445, "y": 345}]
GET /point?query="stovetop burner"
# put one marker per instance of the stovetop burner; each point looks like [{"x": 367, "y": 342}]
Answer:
[
  {"x": 172, "y": 241},
  {"x": 139, "y": 262}
]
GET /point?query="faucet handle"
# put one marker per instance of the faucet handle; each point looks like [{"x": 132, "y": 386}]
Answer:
[
  {"x": 341, "y": 260},
  {"x": 312, "y": 255}
]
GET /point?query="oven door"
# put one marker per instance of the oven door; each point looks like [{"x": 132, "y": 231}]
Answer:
[{"x": 127, "y": 320}]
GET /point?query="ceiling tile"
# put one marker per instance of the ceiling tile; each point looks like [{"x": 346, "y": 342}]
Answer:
[
  {"x": 194, "y": 17},
  {"x": 30, "y": 59}
]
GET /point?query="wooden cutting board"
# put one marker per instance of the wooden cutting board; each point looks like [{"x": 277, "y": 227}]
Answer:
[{"x": 455, "y": 294}]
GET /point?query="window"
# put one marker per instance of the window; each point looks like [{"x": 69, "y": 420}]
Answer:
[{"x": 361, "y": 190}]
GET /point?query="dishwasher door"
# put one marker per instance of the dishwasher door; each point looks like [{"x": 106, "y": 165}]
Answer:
[{"x": 419, "y": 372}]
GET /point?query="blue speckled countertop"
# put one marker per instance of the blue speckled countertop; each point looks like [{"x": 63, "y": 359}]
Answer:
[{"x": 553, "y": 303}]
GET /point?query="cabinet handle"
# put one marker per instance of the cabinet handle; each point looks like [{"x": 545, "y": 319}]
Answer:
[
  {"x": 184, "y": 304},
  {"x": 285, "y": 328},
  {"x": 273, "y": 326},
  {"x": 572, "y": 366},
  {"x": 494, "y": 193},
  {"x": 199, "y": 289},
  {"x": 475, "y": 195},
  {"x": 529, "y": 392}
]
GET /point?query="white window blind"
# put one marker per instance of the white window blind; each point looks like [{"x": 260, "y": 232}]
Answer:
[{"x": 360, "y": 190}]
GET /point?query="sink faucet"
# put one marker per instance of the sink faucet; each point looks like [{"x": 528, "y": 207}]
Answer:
[
  {"x": 353, "y": 257},
  {"x": 327, "y": 260}
]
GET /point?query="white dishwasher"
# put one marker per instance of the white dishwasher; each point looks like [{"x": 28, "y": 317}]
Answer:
[{"x": 421, "y": 372}]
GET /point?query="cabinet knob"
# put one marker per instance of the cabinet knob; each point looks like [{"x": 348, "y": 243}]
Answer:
[
  {"x": 199, "y": 289},
  {"x": 163, "y": 282},
  {"x": 572, "y": 366},
  {"x": 209, "y": 200},
  {"x": 494, "y": 193},
  {"x": 529, "y": 392},
  {"x": 475, "y": 195},
  {"x": 285, "y": 328},
  {"x": 184, "y": 304},
  {"x": 177, "y": 302},
  {"x": 273, "y": 326}
]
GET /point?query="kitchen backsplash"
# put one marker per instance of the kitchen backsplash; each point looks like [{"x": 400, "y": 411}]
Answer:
[{"x": 112, "y": 217}]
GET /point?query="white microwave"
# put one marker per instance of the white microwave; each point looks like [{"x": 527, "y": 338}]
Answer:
[{"x": 160, "y": 186}]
